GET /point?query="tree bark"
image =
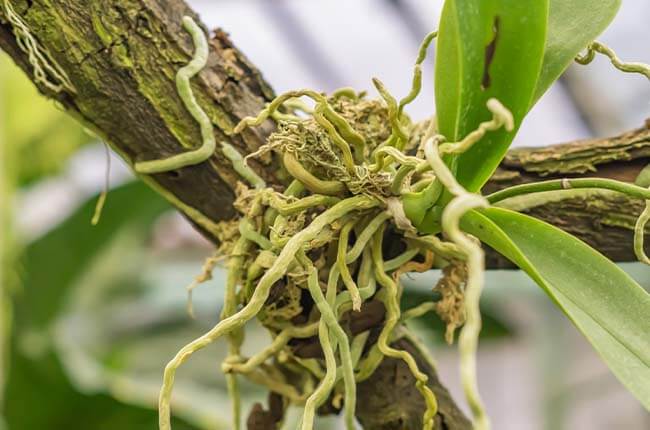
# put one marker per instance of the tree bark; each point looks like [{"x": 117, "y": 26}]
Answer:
[{"x": 121, "y": 57}]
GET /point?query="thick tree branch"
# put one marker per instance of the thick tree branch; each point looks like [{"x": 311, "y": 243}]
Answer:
[{"x": 122, "y": 57}]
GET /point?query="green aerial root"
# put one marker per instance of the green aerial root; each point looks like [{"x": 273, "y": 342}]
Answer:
[
  {"x": 627, "y": 67},
  {"x": 639, "y": 233},
  {"x": 336, "y": 201},
  {"x": 597, "y": 47},
  {"x": 307, "y": 261},
  {"x": 183, "y": 76},
  {"x": 468, "y": 341}
]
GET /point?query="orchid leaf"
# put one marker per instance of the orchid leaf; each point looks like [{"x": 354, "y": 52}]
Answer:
[
  {"x": 605, "y": 304},
  {"x": 486, "y": 49}
]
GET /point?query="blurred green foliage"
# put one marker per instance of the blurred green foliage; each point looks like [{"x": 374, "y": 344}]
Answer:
[
  {"x": 39, "y": 134},
  {"x": 51, "y": 267}
]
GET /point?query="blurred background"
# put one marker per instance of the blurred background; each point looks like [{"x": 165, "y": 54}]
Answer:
[{"x": 98, "y": 311}]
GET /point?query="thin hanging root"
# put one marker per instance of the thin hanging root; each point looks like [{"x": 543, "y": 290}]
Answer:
[
  {"x": 206, "y": 274},
  {"x": 416, "y": 86},
  {"x": 392, "y": 318},
  {"x": 184, "y": 89},
  {"x": 101, "y": 201},
  {"x": 329, "y": 317},
  {"x": 327, "y": 382},
  {"x": 468, "y": 339},
  {"x": 320, "y": 395},
  {"x": 597, "y": 47},
  {"x": 240, "y": 166},
  {"x": 261, "y": 293},
  {"x": 235, "y": 337},
  {"x": 475, "y": 261},
  {"x": 280, "y": 341},
  {"x": 639, "y": 233},
  {"x": 501, "y": 117},
  {"x": 41, "y": 61},
  {"x": 343, "y": 267}
]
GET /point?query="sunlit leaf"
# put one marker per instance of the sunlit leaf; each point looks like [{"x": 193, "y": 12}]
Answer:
[
  {"x": 606, "y": 305},
  {"x": 486, "y": 48}
]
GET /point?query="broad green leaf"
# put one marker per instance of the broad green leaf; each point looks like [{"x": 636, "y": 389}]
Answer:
[
  {"x": 572, "y": 25},
  {"x": 607, "y": 306},
  {"x": 486, "y": 49}
]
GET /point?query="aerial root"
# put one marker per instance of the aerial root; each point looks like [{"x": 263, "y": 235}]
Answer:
[
  {"x": 639, "y": 234},
  {"x": 279, "y": 268},
  {"x": 101, "y": 201},
  {"x": 468, "y": 342},
  {"x": 206, "y": 274},
  {"x": 183, "y": 76},
  {"x": 391, "y": 302},
  {"x": 600, "y": 48}
]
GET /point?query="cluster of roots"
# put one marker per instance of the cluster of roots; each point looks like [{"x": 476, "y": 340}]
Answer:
[{"x": 314, "y": 265}]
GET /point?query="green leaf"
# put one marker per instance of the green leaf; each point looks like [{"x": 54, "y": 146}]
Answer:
[
  {"x": 572, "y": 25},
  {"x": 486, "y": 48},
  {"x": 606, "y": 305}
]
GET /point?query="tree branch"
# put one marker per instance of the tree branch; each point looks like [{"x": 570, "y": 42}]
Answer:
[{"x": 122, "y": 57}]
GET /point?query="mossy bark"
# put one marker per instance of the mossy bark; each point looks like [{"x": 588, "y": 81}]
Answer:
[{"x": 122, "y": 56}]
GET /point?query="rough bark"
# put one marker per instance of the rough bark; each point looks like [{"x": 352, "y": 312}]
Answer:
[{"x": 122, "y": 56}]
